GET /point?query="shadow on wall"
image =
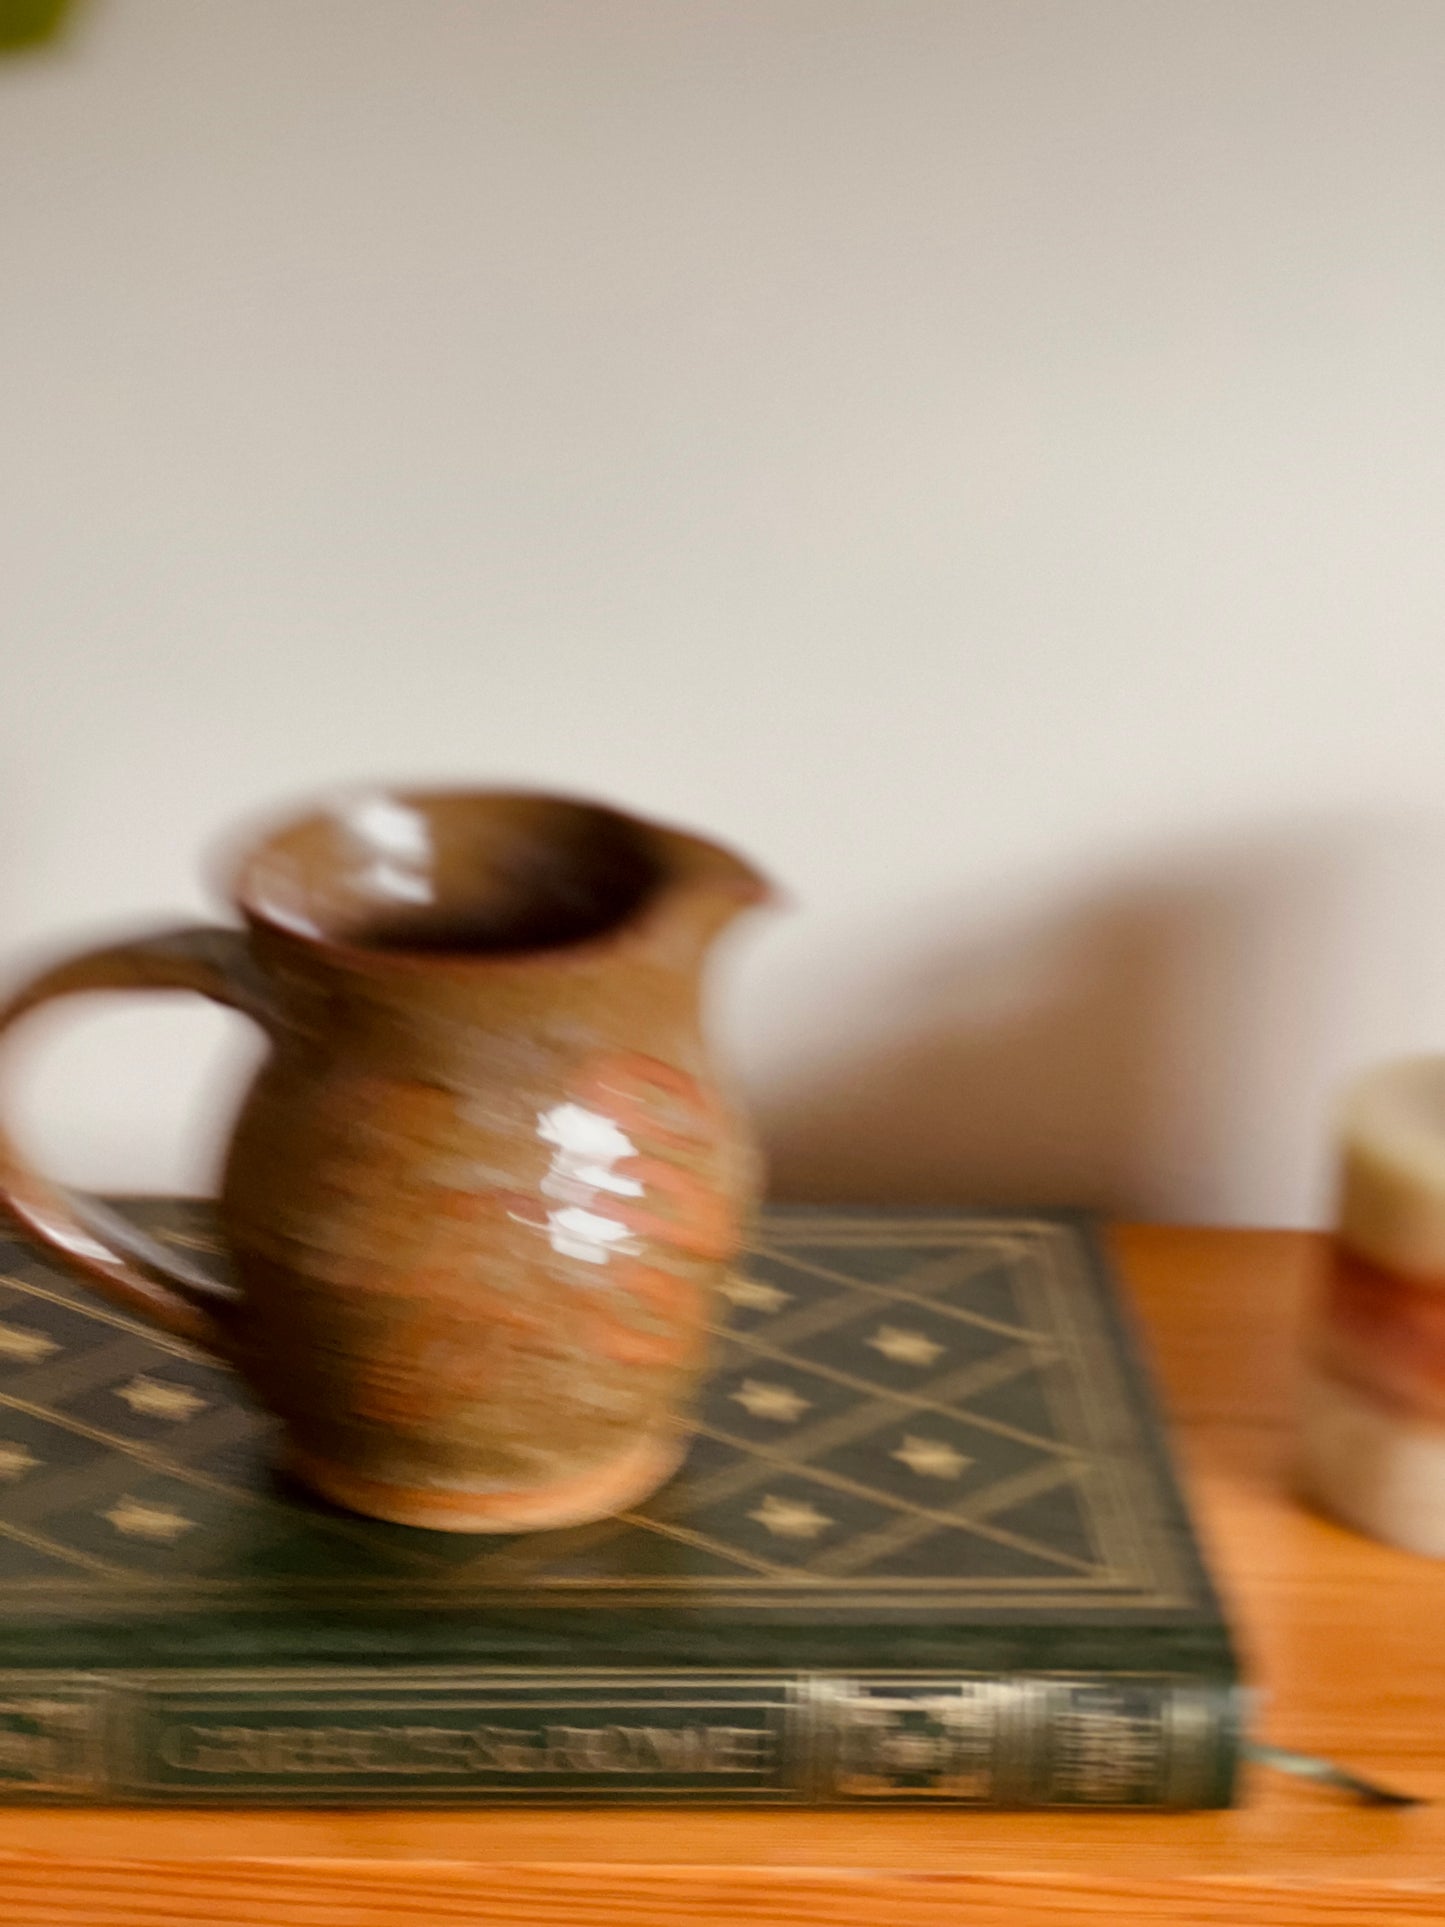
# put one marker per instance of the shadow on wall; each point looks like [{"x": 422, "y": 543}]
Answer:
[{"x": 1169, "y": 1048}]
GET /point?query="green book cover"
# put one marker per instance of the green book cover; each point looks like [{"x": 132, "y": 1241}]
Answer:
[{"x": 927, "y": 1544}]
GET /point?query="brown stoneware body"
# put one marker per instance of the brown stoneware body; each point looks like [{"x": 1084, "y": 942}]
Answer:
[{"x": 482, "y": 1188}]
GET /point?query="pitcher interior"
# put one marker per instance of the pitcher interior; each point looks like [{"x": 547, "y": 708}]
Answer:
[{"x": 453, "y": 873}]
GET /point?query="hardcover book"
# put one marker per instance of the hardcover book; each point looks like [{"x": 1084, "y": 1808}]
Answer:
[{"x": 927, "y": 1546}]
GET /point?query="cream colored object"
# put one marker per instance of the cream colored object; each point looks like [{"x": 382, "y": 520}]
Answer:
[
  {"x": 1372, "y": 1442},
  {"x": 1372, "y": 1467},
  {"x": 1392, "y": 1180}
]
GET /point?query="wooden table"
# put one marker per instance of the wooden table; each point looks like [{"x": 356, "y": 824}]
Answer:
[{"x": 1345, "y": 1639}]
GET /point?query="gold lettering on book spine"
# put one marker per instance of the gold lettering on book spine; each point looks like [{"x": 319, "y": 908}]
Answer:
[{"x": 289, "y": 1751}]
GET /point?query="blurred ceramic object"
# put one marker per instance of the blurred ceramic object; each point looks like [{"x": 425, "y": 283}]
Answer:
[
  {"x": 1373, "y": 1408},
  {"x": 480, "y": 1192}
]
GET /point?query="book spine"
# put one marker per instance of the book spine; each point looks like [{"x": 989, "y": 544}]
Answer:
[{"x": 433, "y": 1737}]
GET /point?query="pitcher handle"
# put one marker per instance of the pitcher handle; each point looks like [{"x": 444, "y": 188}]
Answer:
[{"x": 122, "y": 1262}]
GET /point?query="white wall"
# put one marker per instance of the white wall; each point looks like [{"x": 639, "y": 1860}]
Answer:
[{"x": 987, "y": 459}]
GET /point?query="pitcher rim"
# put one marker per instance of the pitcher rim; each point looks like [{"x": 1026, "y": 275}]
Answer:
[{"x": 239, "y": 856}]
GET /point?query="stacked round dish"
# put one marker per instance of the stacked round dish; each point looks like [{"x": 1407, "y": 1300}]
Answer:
[{"x": 1373, "y": 1409}]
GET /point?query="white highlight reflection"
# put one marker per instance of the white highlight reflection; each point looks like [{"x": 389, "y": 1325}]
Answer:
[
  {"x": 588, "y": 1144},
  {"x": 399, "y": 846},
  {"x": 581, "y": 1175},
  {"x": 585, "y": 1234}
]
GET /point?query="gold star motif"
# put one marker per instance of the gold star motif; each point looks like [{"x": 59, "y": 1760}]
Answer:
[
  {"x": 156, "y": 1399},
  {"x": 755, "y": 1295},
  {"x": 904, "y": 1347},
  {"x": 790, "y": 1518},
  {"x": 931, "y": 1458},
  {"x": 778, "y": 1402},
  {"x": 15, "y": 1460},
  {"x": 20, "y": 1341},
  {"x": 140, "y": 1521}
]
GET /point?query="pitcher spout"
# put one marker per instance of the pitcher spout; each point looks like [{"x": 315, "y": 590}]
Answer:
[{"x": 708, "y": 886}]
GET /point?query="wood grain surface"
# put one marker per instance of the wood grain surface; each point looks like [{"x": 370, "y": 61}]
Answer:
[{"x": 1345, "y": 1641}]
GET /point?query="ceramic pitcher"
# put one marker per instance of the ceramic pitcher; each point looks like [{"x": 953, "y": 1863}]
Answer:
[{"x": 484, "y": 1182}]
